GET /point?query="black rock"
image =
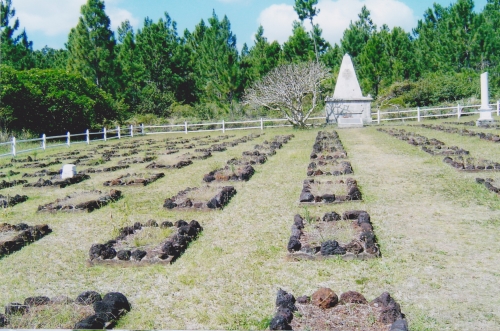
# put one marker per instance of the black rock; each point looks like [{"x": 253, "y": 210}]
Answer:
[
  {"x": 170, "y": 249},
  {"x": 399, "y": 325},
  {"x": 138, "y": 254},
  {"x": 180, "y": 223},
  {"x": 36, "y": 301},
  {"x": 298, "y": 221},
  {"x": 21, "y": 227},
  {"x": 151, "y": 223},
  {"x": 328, "y": 198},
  {"x": 196, "y": 225},
  {"x": 94, "y": 322},
  {"x": 330, "y": 217},
  {"x": 123, "y": 255},
  {"x": 285, "y": 300},
  {"x": 15, "y": 308},
  {"x": 306, "y": 196},
  {"x": 3, "y": 320},
  {"x": 118, "y": 300},
  {"x": 303, "y": 299},
  {"x": 137, "y": 225},
  {"x": 294, "y": 244},
  {"x": 169, "y": 204},
  {"x": 187, "y": 231},
  {"x": 364, "y": 218},
  {"x": 286, "y": 313},
  {"x": 108, "y": 253},
  {"x": 279, "y": 323},
  {"x": 166, "y": 224},
  {"x": 88, "y": 298},
  {"x": 331, "y": 247},
  {"x": 296, "y": 232}
]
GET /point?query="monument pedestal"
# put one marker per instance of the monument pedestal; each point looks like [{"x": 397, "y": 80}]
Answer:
[{"x": 485, "y": 116}]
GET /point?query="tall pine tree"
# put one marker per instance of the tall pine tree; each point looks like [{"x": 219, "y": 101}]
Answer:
[{"x": 91, "y": 46}]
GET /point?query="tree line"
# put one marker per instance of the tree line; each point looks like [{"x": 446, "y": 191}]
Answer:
[{"x": 102, "y": 75}]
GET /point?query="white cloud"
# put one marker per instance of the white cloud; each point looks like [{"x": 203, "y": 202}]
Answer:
[
  {"x": 335, "y": 16},
  {"x": 57, "y": 17},
  {"x": 277, "y": 22}
]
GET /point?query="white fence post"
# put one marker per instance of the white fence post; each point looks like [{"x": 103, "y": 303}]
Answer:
[
  {"x": 418, "y": 114},
  {"x": 261, "y": 124},
  {"x": 68, "y": 139},
  {"x": 378, "y": 116},
  {"x": 44, "y": 141},
  {"x": 498, "y": 107},
  {"x": 459, "y": 111},
  {"x": 142, "y": 128},
  {"x": 118, "y": 131},
  {"x": 131, "y": 131},
  {"x": 223, "y": 126},
  {"x": 104, "y": 134},
  {"x": 186, "y": 127},
  {"x": 88, "y": 136},
  {"x": 13, "y": 146}
]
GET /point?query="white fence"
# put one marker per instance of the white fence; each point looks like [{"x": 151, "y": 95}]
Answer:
[
  {"x": 15, "y": 147},
  {"x": 421, "y": 113}
]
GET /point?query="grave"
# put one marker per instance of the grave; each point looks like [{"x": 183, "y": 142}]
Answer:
[
  {"x": 84, "y": 201},
  {"x": 491, "y": 184},
  {"x": 15, "y": 237},
  {"x": 201, "y": 198},
  {"x": 135, "y": 179},
  {"x": 349, "y": 237},
  {"x": 338, "y": 191},
  {"x": 230, "y": 173},
  {"x": 325, "y": 310},
  {"x": 59, "y": 183},
  {"x": 146, "y": 244},
  {"x": 47, "y": 313},
  {"x": 348, "y": 107},
  {"x": 11, "y": 201}
]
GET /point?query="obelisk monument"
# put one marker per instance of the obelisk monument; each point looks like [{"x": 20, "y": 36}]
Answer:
[{"x": 485, "y": 110}]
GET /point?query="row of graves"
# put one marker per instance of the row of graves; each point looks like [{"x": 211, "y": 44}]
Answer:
[
  {"x": 139, "y": 244},
  {"x": 454, "y": 156},
  {"x": 347, "y": 236},
  {"x": 488, "y": 136}
]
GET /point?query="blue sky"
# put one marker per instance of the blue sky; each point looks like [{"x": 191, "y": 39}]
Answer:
[{"x": 48, "y": 22}]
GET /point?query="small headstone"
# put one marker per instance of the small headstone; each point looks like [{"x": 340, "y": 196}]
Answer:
[{"x": 68, "y": 171}]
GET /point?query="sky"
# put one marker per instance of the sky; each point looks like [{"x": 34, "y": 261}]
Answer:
[{"x": 48, "y": 22}]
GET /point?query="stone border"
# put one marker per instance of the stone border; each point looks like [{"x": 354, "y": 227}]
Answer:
[
  {"x": 166, "y": 252},
  {"x": 324, "y": 298},
  {"x": 27, "y": 234},
  {"x": 134, "y": 160},
  {"x": 108, "y": 309},
  {"x": 88, "y": 206},
  {"x": 487, "y": 183},
  {"x": 239, "y": 174},
  {"x": 495, "y": 138},
  {"x": 106, "y": 169},
  {"x": 352, "y": 192},
  {"x": 5, "y": 184},
  {"x": 471, "y": 167},
  {"x": 8, "y": 201},
  {"x": 219, "y": 201},
  {"x": 129, "y": 180},
  {"x": 61, "y": 183},
  {"x": 362, "y": 247}
]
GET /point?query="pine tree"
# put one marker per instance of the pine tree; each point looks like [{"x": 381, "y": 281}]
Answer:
[
  {"x": 299, "y": 47},
  {"x": 15, "y": 51},
  {"x": 91, "y": 46},
  {"x": 357, "y": 34}
]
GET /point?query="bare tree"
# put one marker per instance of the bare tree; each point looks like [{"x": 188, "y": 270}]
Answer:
[
  {"x": 335, "y": 108},
  {"x": 293, "y": 89}
]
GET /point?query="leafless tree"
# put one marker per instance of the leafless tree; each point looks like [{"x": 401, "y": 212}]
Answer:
[
  {"x": 292, "y": 89},
  {"x": 335, "y": 108}
]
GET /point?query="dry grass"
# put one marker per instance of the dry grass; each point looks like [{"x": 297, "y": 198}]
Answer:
[
  {"x": 437, "y": 230},
  {"x": 322, "y": 187},
  {"x": 147, "y": 237},
  {"x": 319, "y": 231}
]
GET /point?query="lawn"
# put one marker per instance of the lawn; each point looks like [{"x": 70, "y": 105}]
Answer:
[{"x": 436, "y": 229}]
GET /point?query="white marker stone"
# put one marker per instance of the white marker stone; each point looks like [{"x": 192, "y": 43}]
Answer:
[
  {"x": 68, "y": 171},
  {"x": 485, "y": 110}
]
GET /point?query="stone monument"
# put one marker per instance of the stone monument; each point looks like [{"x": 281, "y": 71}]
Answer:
[
  {"x": 485, "y": 110},
  {"x": 348, "y": 107}
]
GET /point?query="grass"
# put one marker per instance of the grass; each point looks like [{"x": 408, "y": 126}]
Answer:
[{"x": 436, "y": 228}]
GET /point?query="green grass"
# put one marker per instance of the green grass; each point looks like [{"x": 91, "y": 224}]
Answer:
[{"x": 435, "y": 226}]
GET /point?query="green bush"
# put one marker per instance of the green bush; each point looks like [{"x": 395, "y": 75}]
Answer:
[{"x": 53, "y": 101}]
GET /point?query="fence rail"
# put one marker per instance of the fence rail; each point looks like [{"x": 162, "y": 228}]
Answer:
[
  {"x": 14, "y": 147},
  {"x": 421, "y": 113}
]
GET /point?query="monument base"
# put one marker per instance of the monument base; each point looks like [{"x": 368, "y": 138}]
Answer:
[
  {"x": 350, "y": 122},
  {"x": 485, "y": 117}
]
